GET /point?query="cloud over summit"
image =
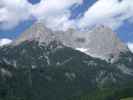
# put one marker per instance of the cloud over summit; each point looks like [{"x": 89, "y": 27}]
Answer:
[{"x": 55, "y": 13}]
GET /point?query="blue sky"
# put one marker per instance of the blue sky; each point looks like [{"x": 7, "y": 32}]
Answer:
[
  {"x": 34, "y": 1},
  {"x": 125, "y": 32},
  {"x": 15, "y": 32}
]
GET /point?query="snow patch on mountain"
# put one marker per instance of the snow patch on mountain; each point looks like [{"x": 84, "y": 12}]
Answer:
[{"x": 84, "y": 50}]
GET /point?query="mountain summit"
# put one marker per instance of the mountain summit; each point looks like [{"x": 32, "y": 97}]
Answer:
[
  {"x": 100, "y": 42},
  {"x": 37, "y": 32},
  {"x": 103, "y": 42},
  {"x": 44, "y": 65}
]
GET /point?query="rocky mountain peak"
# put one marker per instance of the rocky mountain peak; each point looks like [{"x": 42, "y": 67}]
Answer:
[
  {"x": 99, "y": 42},
  {"x": 38, "y": 32},
  {"x": 104, "y": 42}
]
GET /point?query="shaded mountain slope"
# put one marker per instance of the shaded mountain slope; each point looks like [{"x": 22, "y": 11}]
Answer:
[{"x": 34, "y": 71}]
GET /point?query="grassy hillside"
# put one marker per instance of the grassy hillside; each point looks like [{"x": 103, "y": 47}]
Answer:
[
  {"x": 108, "y": 94},
  {"x": 129, "y": 98}
]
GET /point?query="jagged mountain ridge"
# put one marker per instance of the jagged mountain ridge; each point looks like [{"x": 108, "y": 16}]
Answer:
[{"x": 100, "y": 42}]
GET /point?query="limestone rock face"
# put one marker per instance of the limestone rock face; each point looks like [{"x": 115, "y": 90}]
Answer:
[
  {"x": 37, "y": 32},
  {"x": 103, "y": 42},
  {"x": 100, "y": 42}
]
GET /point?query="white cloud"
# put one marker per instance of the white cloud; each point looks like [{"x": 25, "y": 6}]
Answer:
[
  {"x": 130, "y": 46},
  {"x": 52, "y": 7},
  {"x": 108, "y": 12},
  {"x": 59, "y": 22},
  {"x": 12, "y": 12},
  {"x": 56, "y": 13},
  {"x": 5, "y": 41}
]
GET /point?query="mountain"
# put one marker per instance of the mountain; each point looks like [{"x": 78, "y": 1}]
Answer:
[
  {"x": 46, "y": 65},
  {"x": 104, "y": 43},
  {"x": 37, "y": 32},
  {"x": 100, "y": 42}
]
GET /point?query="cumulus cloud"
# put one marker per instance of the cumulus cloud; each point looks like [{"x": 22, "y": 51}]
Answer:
[
  {"x": 130, "y": 46},
  {"x": 5, "y": 41},
  {"x": 52, "y": 7},
  {"x": 55, "y": 14},
  {"x": 12, "y": 12},
  {"x": 111, "y": 13}
]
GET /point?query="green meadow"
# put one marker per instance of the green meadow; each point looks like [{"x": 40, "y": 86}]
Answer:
[{"x": 130, "y": 98}]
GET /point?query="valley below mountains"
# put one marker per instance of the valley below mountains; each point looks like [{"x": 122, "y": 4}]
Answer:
[{"x": 43, "y": 64}]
